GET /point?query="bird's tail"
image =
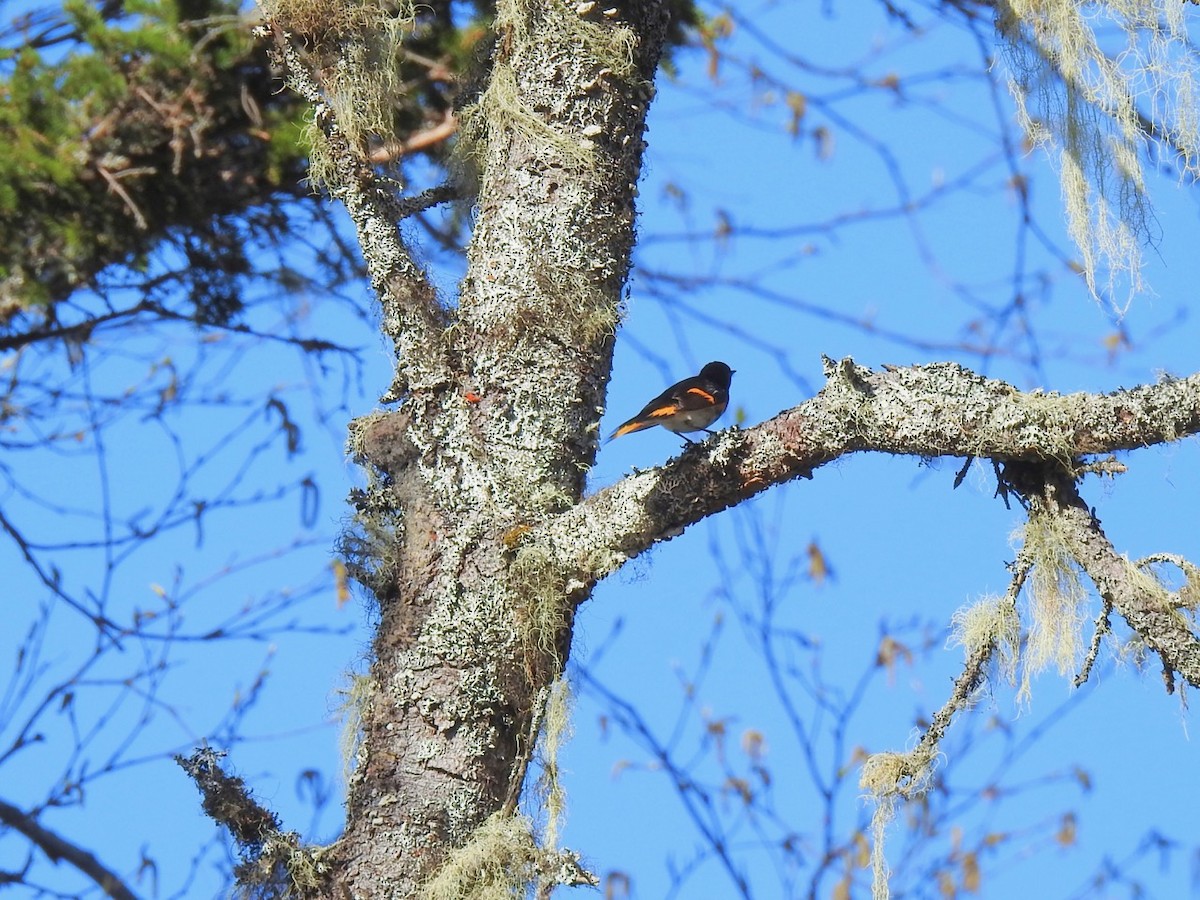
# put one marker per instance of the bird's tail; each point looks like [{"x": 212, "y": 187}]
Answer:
[{"x": 631, "y": 426}]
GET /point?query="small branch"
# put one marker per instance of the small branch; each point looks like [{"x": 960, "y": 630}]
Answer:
[
  {"x": 975, "y": 668},
  {"x": 421, "y": 140},
  {"x": 1103, "y": 627},
  {"x": 891, "y": 776},
  {"x": 59, "y": 849},
  {"x": 53, "y": 583},
  {"x": 1188, "y": 596},
  {"x": 525, "y": 753},
  {"x": 274, "y": 863},
  {"x": 563, "y": 867},
  {"x": 115, "y": 186},
  {"x": 228, "y": 801},
  {"x": 427, "y": 199},
  {"x": 81, "y": 332},
  {"x": 910, "y": 769},
  {"x": 1140, "y": 600}
]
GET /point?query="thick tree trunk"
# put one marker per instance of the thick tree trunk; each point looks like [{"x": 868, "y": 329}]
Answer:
[{"x": 473, "y": 625}]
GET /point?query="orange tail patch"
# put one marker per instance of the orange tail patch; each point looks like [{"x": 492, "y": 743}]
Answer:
[{"x": 629, "y": 427}]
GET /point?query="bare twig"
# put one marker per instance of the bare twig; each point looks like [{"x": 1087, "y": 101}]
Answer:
[
  {"x": 1103, "y": 627},
  {"x": 115, "y": 185},
  {"x": 80, "y": 332},
  {"x": 59, "y": 849},
  {"x": 50, "y": 579},
  {"x": 420, "y": 140}
]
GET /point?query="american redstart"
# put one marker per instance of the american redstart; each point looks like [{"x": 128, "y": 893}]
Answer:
[{"x": 691, "y": 405}]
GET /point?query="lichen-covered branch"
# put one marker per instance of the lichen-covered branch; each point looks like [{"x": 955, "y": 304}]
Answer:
[
  {"x": 1143, "y": 602},
  {"x": 227, "y": 799},
  {"x": 413, "y": 317},
  {"x": 1103, "y": 626},
  {"x": 934, "y": 410},
  {"x": 986, "y": 630},
  {"x": 271, "y": 857}
]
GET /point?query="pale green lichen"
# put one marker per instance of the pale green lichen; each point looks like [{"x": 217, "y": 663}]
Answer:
[
  {"x": 890, "y": 777},
  {"x": 502, "y": 108},
  {"x": 991, "y": 622},
  {"x": 354, "y": 700},
  {"x": 1088, "y": 103},
  {"x": 1186, "y": 597},
  {"x": 556, "y": 731},
  {"x": 356, "y": 44},
  {"x": 540, "y": 585},
  {"x": 1056, "y": 599},
  {"x": 503, "y": 857},
  {"x": 282, "y": 869},
  {"x": 497, "y": 863}
]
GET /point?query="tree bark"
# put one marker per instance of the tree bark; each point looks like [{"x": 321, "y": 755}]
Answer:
[{"x": 495, "y": 432}]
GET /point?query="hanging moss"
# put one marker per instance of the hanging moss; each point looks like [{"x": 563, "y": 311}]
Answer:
[
  {"x": 1085, "y": 105},
  {"x": 496, "y": 864}
]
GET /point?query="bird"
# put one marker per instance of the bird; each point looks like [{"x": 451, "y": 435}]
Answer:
[{"x": 690, "y": 405}]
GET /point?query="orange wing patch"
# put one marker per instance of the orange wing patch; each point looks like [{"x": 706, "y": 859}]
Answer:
[
  {"x": 664, "y": 411},
  {"x": 699, "y": 392}
]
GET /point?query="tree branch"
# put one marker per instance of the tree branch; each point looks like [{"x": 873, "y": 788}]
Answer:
[
  {"x": 58, "y": 848},
  {"x": 1141, "y": 600},
  {"x": 934, "y": 410},
  {"x": 274, "y": 864},
  {"x": 413, "y": 317},
  {"x": 228, "y": 801},
  {"x": 81, "y": 332}
]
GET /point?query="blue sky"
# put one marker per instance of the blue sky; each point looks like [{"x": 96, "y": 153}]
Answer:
[{"x": 905, "y": 549}]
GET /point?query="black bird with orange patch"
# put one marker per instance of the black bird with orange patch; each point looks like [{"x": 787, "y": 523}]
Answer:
[{"x": 691, "y": 405}]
